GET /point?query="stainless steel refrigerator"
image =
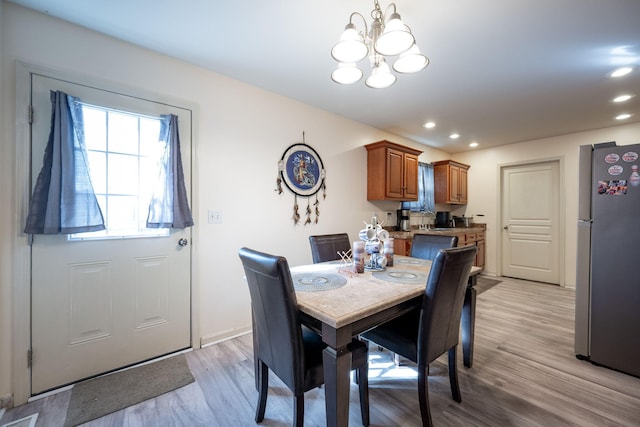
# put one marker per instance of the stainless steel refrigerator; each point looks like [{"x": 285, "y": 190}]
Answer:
[{"x": 607, "y": 328}]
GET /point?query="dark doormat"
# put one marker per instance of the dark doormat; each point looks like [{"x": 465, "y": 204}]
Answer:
[
  {"x": 100, "y": 396},
  {"x": 484, "y": 284}
]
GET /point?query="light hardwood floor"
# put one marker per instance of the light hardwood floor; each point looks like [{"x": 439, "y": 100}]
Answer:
[{"x": 524, "y": 374}]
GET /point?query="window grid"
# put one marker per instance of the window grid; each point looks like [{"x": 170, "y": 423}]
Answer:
[{"x": 123, "y": 218}]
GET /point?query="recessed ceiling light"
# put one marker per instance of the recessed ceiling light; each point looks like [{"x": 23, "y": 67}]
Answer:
[
  {"x": 473, "y": 144},
  {"x": 622, "y": 98},
  {"x": 454, "y": 136},
  {"x": 623, "y": 71},
  {"x": 623, "y": 116},
  {"x": 430, "y": 125}
]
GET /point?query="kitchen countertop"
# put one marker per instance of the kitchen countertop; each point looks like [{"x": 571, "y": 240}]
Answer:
[{"x": 436, "y": 231}]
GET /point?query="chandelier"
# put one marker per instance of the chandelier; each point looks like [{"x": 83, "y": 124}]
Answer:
[{"x": 387, "y": 38}]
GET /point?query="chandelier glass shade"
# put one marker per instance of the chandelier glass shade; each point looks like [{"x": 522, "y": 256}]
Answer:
[
  {"x": 351, "y": 47},
  {"x": 346, "y": 73},
  {"x": 384, "y": 40},
  {"x": 380, "y": 77}
]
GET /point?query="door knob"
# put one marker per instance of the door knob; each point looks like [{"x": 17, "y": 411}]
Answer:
[
  {"x": 506, "y": 227},
  {"x": 183, "y": 242}
]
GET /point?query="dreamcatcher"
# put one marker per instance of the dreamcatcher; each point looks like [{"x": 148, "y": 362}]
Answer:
[{"x": 302, "y": 171}]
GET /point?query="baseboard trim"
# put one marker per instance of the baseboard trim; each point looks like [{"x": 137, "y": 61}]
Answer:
[{"x": 227, "y": 335}]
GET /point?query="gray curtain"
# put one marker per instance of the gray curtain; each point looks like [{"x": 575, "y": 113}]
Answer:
[
  {"x": 426, "y": 196},
  {"x": 63, "y": 200},
  {"x": 169, "y": 207}
]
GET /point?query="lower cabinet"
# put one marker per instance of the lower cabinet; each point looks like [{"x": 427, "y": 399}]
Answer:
[
  {"x": 402, "y": 246},
  {"x": 480, "y": 255},
  {"x": 476, "y": 239}
]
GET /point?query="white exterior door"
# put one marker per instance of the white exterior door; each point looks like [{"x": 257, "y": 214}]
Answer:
[
  {"x": 530, "y": 222},
  {"x": 99, "y": 304}
]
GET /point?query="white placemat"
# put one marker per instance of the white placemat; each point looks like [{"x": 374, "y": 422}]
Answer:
[
  {"x": 401, "y": 275},
  {"x": 317, "y": 281},
  {"x": 410, "y": 261}
]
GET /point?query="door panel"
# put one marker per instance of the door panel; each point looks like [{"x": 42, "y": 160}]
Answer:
[
  {"x": 454, "y": 183},
  {"x": 530, "y": 213},
  {"x": 410, "y": 183},
  {"x": 103, "y": 304},
  {"x": 394, "y": 174}
]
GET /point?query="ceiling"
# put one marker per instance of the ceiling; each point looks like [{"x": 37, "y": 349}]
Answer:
[{"x": 501, "y": 71}]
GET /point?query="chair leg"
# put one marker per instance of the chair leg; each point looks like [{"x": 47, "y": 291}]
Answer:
[
  {"x": 255, "y": 349},
  {"x": 396, "y": 359},
  {"x": 453, "y": 375},
  {"x": 262, "y": 379},
  {"x": 362, "y": 373},
  {"x": 423, "y": 395},
  {"x": 356, "y": 377},
  {"x": 298, "y": 410}
]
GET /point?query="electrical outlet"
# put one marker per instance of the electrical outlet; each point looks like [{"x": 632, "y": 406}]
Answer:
[
  {"x": 389, "y": 215},
  {"x": 215, "y": 217}
]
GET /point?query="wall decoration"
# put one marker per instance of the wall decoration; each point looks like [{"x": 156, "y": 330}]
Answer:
[{"x": 302, "y": 172}]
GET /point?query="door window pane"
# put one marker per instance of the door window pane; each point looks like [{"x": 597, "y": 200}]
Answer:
[
  {"x": 95, "y": 130},
  {"x": 124, "y": 160},
  {"x": 123, "y": 133},
  {"x": 123, "y": 174}
]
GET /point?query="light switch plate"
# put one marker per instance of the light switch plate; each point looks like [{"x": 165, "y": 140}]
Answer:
[{"x": 215, "y": 217}]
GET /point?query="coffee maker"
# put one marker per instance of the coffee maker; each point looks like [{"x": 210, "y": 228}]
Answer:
[{"x": 403, "y": 219}]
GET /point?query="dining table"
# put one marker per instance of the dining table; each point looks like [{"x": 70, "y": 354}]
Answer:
[{"x": 340, "y": 304}]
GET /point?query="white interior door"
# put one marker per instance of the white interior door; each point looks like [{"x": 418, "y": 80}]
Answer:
[
  {"x": 102, "y": 304},
  {"x": 530, "y": 222}
]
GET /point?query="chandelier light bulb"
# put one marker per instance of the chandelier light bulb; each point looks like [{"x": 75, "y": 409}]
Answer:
[
  {"x": 380, "y": 77},
  {"x": 411, "y": 61},
  {"x": 351, "y": 47},
  {"x": 346, "y": 73},
  {"x": 395, "y": 39}
]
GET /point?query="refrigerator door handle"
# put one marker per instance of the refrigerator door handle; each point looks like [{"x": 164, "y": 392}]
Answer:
[
  {"x": 584, "y": 182},
  {"x": 583, "y": 290}
]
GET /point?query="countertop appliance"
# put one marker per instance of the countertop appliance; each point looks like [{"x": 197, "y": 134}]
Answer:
[
  {"x": 462, "y": 221},
  {"x": 404, "y": 219},
  {"x": 607, "y": 328},
  {"x": 443, "y": 220}
]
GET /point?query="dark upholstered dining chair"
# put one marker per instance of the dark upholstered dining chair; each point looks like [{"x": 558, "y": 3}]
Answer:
[
  {"x": 423, "y": 335},
  {"x": 427, "y": 246},
  {"x": 326, "y": 247},
  {"x": 282, "y": 344}
]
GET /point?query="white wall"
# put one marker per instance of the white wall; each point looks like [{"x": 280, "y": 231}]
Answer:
[
  {"x": 484, "y": 178},
  {"x": 240, "y": 132}
]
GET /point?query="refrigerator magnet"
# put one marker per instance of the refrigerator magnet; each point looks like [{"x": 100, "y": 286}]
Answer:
[
  {"x": 615, "y": 170},
  {"x": 612, "y": 158},
  {"x": 630, "y": 156}
]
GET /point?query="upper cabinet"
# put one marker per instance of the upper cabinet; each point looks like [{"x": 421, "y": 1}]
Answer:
[
  {"x": 450, "y": 181},
  {"x": 392, "y": 172}
]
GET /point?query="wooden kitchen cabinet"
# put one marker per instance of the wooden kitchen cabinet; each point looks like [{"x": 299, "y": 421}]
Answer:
[
  {"x": 476, "y": 239},
  {"x": 466, "y": 236},
  {"x": 480, "y": 255},
  {"x": 402, "y": 246},
  {"x": 392, "y": 172},
  {"x": 469, "y": 238},
  {"x": 450, "y": 182}
]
